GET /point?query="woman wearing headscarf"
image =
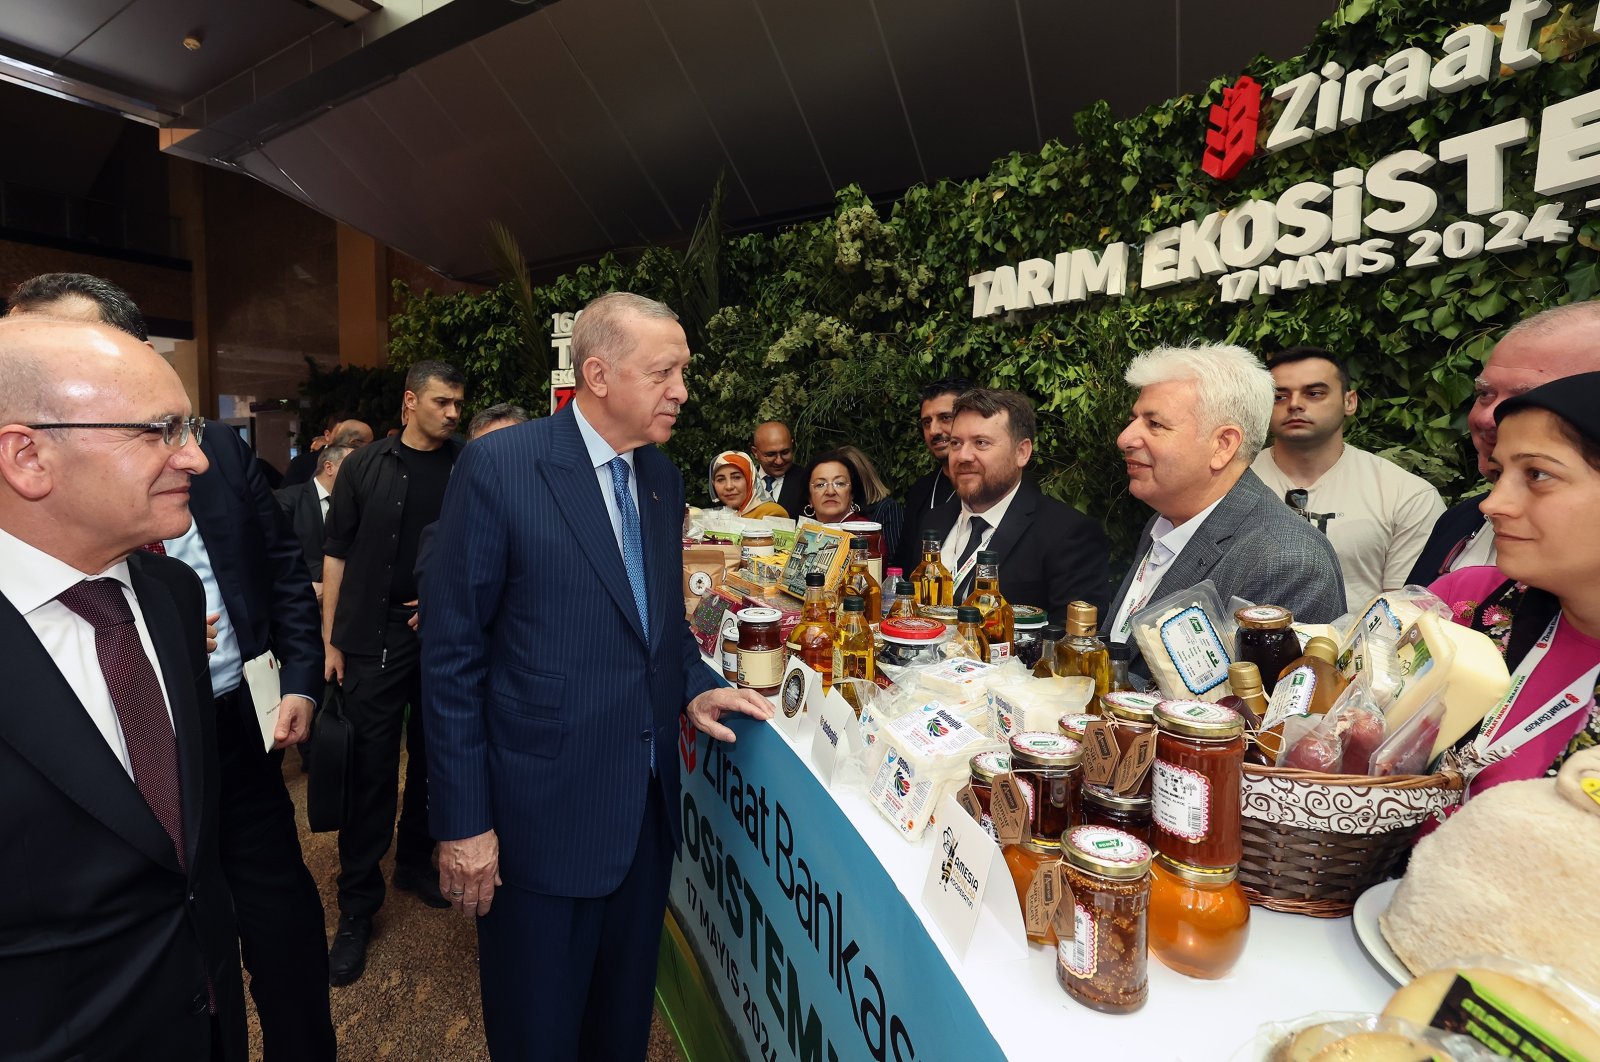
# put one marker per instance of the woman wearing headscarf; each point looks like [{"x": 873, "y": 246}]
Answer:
[
  {"x": 732, "y": 485},
  {"x": 1540, "y": 602}
]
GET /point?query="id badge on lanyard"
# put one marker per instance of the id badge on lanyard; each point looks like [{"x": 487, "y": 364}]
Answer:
[
  {"x": 1137, "y": 594},
  {"x": 966, "y": 569},
  {"x": 1575, "y": 698}
]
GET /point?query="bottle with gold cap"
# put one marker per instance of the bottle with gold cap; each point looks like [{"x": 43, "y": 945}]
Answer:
[
  {"x": 999, "y": 618},
  {"x": 932, "y": 581},
  {"x": 1308, "y": 686},
  {"x": 1250, "y": 701},
  {"x": 858, "y": 581},
  {"x": 1081, "y": 652}
]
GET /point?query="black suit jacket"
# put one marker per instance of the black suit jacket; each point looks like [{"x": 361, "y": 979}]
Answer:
[
  {"x": 1454, "y": 525},
  {"x": 908, "y": 551},
  {"x": 105, "y": 942},
  {"x": 304, "y": 510},
  {"x": 256, "y": 558},
  {"x": 1050, "y": 553},
  {"x": 794, "y": 495}
]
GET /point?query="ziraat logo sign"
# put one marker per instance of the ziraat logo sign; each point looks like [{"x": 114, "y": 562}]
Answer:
[{"x": 1322, "y": 231}]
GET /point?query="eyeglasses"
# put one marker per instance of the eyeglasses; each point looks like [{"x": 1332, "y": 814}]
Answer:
[
  {"x": 1297, "y": 499},
  {"x": 175, "y": 430},
  {"x": 836, "y": 484}
]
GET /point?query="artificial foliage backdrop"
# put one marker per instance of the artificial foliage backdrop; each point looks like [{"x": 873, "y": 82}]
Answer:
[{"x": 831, "y": 325}]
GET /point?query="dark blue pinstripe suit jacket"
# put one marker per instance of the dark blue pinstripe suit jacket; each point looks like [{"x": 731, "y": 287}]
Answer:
[{"x": 540, "y": 690}]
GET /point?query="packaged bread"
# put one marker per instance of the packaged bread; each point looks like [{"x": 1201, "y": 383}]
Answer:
[{"x": 1512, "y": 873}]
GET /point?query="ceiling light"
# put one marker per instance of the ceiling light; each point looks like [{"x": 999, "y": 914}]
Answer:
[{"x": 193, "y": 41}]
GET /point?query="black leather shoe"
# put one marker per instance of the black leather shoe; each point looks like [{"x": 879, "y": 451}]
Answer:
[
  {"x": 347, "y": 959},
  {"x": 425, "y": 883}
]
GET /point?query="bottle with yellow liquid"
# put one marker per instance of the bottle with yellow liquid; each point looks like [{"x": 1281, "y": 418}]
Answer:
[
  {"x": 932, "y": 580},
  {"x": 999, "y": 619},
  {"x": 1046, "y": 667},
  {"x": 814, "y": 638},
  {"x": 852, "y": 653},
  {"x": 1081, "y": 652},
  {"x": 1307, "y": 686},
  {"x": 905, "y": 602},
  {"x": 969, "y": 639},
  {"x": 858, "y": 581}
]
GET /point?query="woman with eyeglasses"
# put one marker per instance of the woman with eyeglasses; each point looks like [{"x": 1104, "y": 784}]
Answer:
[
  {"x": 1540, "y": 601},
  {"x": 831, "y": 481}
]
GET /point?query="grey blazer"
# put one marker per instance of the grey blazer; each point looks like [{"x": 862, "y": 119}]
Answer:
[{"x": 1252, "y": 546}]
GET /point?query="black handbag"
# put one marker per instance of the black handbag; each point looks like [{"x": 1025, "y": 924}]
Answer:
[{"x": 332, "y": 755}]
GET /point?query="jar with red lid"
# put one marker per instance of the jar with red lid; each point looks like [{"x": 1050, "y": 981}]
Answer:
[
  {"x": 1197, "y": 777},
  {"x": 1130, "y": 813},
  {"x": 1105, "y": 966},
  {"x": 911, "y": 640},
  {"x": 1267, "y": 640},
  {"x": 760, "y": 650},
  {"x": 982, "y": 770},
  {"x": 1048, "y": 767},
  {"x": 1199, "y": 917}
]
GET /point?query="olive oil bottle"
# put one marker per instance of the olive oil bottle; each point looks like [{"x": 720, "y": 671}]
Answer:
[{"x": 932, "y": 580}]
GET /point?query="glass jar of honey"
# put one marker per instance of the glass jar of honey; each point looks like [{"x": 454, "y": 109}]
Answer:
[
  {"x": 982, "y": 769},
  {"x": 1048, "y": 768},
  {"x": 1024, "y": 861},
  {"x": 1099, "y": 806},
  {"x": 760, "y": 650},
  {"x": 1105, "y": 966},
  {"x": 1199, "y": 917},
  {"x": 1198, "y": 773}
]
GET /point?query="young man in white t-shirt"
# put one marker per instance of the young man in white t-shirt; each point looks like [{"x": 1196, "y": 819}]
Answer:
[{"x": 1375, "y": 513}]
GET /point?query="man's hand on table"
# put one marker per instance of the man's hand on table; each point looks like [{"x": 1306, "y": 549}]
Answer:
[{"x": 705, "y": 710}]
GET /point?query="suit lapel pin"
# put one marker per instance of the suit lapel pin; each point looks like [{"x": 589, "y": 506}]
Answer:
[{"x": 653, "y": 497}]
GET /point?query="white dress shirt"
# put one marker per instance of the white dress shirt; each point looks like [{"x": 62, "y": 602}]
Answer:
[
  {"x": 1166, "y": 542},
  {"x": 323, "y": 498},
  {"x": 601, "y": 454},
  {"x": 961, "y": 531},
  {"x": 227, "y": 662},
  {"x": 31, "y": 580}
]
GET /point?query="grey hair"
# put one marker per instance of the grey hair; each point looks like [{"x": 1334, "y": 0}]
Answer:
[
  {"x": 1557, "y": 319},
  {"x": 332, "y": 455},
  {"x": 1231, "y": 387},
  {"x": 601, "y": 328}
]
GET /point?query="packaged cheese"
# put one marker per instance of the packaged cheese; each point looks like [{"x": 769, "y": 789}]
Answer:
[
  {"x": 1392, "y": 613},
  {"x": 1036, "y": 704},
  {"x": 960, "y": 679},
  {"x": 920, "y": 757},
  {"x": 1514, "y": 1009},
  {"x": 1374, "y": 1038},
  {"x": 1184, "y": 641},
  {"x": 1459, "y": 665}
]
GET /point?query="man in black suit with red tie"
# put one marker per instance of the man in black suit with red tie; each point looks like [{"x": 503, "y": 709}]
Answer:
[{"x": 116, "y": 929}]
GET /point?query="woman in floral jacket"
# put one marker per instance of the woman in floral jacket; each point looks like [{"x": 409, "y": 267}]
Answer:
[{"x": 1541, "y": 601}]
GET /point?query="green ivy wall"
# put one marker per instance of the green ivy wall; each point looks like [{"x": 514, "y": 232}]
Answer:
[{"x": 831, "y": 325}]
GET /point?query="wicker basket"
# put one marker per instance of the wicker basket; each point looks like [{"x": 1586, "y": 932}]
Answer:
[{"x": 1314, "y": 842}]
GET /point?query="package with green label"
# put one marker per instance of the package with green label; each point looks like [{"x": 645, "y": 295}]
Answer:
[{"x": 1184, "y": 639}]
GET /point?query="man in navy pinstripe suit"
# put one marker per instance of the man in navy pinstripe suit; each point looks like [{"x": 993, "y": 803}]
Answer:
[{"x": 556, "y": 666}]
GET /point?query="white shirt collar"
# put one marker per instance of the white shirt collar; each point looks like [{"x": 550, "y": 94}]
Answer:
[
  {"x": 600, "y": 451},
  {"x": 30, "y": 577},
  {"x": 996, "y": 512},
  {"x": 1169, "y": 539},
  {"x": 323, "y": 494}
]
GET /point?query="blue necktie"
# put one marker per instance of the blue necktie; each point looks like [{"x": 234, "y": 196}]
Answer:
[
  {"x": 632, "y": 541},
  {"x": 770, "y": 481}
]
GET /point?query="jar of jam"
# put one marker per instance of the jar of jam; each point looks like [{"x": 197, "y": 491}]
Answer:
[
  {"x": 1199, "y": 917},
  {"x": 912, "y": 640},
  {"x": 1024, "y": 861},
  {"x": 730, "y": 647},
  {"x": 872, "y": 531},
  {"x": 1267, "y": 640},
  {"x": 1027, "y": 639},
  {"x": 983, "y": 767},
  {"x": 1100, "y": 806},
  {"x": 1048, "y": 767},
  {"x": 1074, "y": 725},
  {"x": 1104, "y": 966},
  {"x": 760, "y": 650},
  {"x": 1131, "y": 714},
  {"x": 1198, "y": 773}
]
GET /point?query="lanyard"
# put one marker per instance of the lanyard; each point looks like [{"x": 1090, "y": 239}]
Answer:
[
  {"x": 972, "y": 559},
  {"x": 1576, "y": 697},
  {"x": 1138, "y": 595}
]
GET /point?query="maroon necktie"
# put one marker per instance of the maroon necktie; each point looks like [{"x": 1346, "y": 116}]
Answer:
[
  {"x": 157, "y": 547},
  {"x": 136, "y": 695}
]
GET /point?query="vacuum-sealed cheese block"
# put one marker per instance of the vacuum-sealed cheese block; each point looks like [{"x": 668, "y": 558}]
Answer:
[
  {"x": 921, "y": 756},
  {"x": 1036, "y": 704},
  {"x": 1522, "y": 1016},
  {"x": 1437, "y": 656},
  {"x": 958, "y": 679}
]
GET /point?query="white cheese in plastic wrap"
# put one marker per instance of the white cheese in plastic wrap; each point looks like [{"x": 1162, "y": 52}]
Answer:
[
  {"x": 1036, "y": 704},
  {"x": 959, "y": 679},
  {"x": 921, "y": 756},
  {"x": 1437, "y": 655},
  {"x": 1185, "y": 654},
  {"x": 1393, "y": 613}
]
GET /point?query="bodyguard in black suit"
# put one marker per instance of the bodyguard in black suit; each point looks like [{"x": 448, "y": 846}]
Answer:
[
  {"x": 1050, "y": 553},
  {"x": 116, "y": 930}
]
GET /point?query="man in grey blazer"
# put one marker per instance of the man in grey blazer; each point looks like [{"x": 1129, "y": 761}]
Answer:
[{"x": 1200, "y": 418}]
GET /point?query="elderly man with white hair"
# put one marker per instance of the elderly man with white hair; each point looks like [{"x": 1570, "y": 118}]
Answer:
[{"x": 1200, "y": 419}]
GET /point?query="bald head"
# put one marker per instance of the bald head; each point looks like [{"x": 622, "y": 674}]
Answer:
[
  {"x": 774, "y": 447},
  {"x": 1552, "y": 344}
]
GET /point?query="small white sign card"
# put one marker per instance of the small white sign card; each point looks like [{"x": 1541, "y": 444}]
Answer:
[
  {"x": 968, "y": 886},
  {"x": 836, "y": 736},
  {"x": 801, "y": 689},
  {"x": 261, "y": 675}
]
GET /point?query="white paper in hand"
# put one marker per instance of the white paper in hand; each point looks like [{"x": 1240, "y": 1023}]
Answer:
[{"x": 261, "y": 675}]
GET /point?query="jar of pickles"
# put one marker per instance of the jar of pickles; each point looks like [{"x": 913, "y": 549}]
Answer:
[
  {"x": 982, "y": 769},
  {"x": 1104, "y": 966},
  {"x": 1132, "y": 714},
  {"x": 1198, "y": 773},
  {"x": 1199, "y": 917},
  {"x": 1100, "y": 806},
  {"x": 1048, "y": 768},
  {"x": 1027, "y": 640}
]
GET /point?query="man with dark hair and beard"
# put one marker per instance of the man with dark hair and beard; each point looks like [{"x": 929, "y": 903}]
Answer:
[{"x": 1049, "y": 553}]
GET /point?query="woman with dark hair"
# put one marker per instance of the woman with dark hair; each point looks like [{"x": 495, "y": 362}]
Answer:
[
  {"x": 1540, "y": 602},
  {"x": 831, "y": 484},
  {"x": 876, "y": 504}
]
